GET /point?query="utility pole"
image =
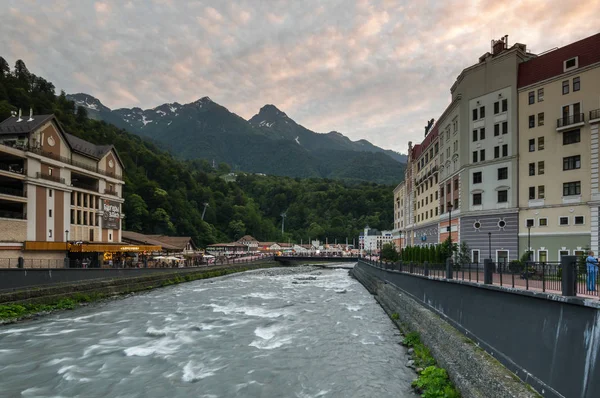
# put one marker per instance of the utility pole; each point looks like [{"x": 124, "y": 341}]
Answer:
[
  {"x": 283, "y": 216},
  {"x": 204, "y": 211}
]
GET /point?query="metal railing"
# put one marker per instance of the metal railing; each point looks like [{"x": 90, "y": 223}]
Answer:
[
  {"x": 77, "y": 184},
  {"x": 537, "y": 276},
  {"x": 13, "y": 192},
  {"x": 63, "y": 159},
  {"x": 595, "y": 114},
  {"x": 49, "y": 177},
  {"x": 12, "y": 168},
  {"x": 111, "y": 192},
  {"x": 569, "y": 120}
]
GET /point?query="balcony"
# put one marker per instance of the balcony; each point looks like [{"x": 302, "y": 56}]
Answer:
[
  {"x": 13, "y": 192},
  {"x": 595, "y": 116},
  {"x": 567, "y": 122},
  {"x": 12, "y": 168},
  {"x": 83, "y": 185},
  {"x": 49, "y": 177},
  {"x": 111, "y": 192},
  {"x": 12, "y": 214}
]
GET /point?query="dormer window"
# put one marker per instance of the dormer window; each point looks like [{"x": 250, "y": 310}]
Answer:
[{"x": 569, "y": 64}]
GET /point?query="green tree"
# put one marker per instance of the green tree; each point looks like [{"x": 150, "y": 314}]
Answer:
[
  {"x": 162, "y": 222},
  {"x": 237, "y": 229},
  {"x": 464, "y": 254},
  {"x": 137, "y": 213},
  {"x": 389, "y": 253},
  {"x": 82, "y": 114}
]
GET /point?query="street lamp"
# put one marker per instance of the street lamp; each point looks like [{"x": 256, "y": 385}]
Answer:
[
  {"x": 66, "y": 260},
  {"x": 450, "y": 225},
  {"x": 370, "y": 252},
  {"x": 490, "y": 245}
]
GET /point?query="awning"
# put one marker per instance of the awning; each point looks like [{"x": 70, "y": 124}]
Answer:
[{"x": 119, "y": 248}]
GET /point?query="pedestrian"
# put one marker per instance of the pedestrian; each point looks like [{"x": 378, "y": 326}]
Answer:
[{"x": 592, "y": 271}]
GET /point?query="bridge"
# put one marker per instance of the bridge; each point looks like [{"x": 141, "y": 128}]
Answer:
[{"x": 319, "y": 261}]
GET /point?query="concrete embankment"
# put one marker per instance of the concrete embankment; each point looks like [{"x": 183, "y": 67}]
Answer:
[
  {"x": 113, "y": 286},
  {"x": 474, "y": 372}
]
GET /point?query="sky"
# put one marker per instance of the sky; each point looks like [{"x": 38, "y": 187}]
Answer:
[{"x": 372, "y": 69}]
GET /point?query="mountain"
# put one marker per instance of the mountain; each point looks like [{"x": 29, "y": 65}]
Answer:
[{"x": 270, "y": 142}]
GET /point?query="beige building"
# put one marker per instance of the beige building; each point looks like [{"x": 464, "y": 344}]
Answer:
[
  {"x": 559, "y": 102},
  {"x": 59, "y": 195},
  {"x": 399, "y": 212}
]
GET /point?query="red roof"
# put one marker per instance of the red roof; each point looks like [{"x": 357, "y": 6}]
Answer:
[
  {"x": 549, "y": 65},
  {"x": 420, "y": 148}
]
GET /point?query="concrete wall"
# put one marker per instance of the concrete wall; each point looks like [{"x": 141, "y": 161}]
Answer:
[
  {"x": 13, "y": 230},
  {"x": 551, "y": 342}
]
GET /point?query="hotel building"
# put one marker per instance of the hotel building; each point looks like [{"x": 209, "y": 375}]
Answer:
[
  {"x": 59, "y": 195},
  {"x": 510, "y": 116}
]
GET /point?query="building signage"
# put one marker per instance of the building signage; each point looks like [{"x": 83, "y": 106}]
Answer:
[{"x": 111, "y": 214}]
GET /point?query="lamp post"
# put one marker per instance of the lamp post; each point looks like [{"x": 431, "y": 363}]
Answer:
[
  {"x": 449, "y": 205},
  {"x": 490, "y": 246},
  {"x": 370, "y": 252},
  {"x": 66, "y": 260}
]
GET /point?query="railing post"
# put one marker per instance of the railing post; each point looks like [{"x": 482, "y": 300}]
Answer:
[
  {"x": 426, "y": 268},
  {"x": 411, "y": 267},
  {"x": 449, "y": 272},
  {"x": 400, "y": 266},
  {"x": 569, "y": 279},
  {"x": 488, "y": 271}
]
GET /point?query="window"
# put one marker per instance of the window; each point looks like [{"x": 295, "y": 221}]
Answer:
[
  {"x": 531, "y": 169},
  {"x": 531, "y": 121},
  {"x": 474, "y": 135},
  {"x": 540, "y": 143},
  {"x": 504, "y": 127},
  {"x": 482, "y": 155},
  {"x": 563, "y": 220},
  {"x": 565, "y": 86},
  {"x": 476, "y": 199},
  {"x": 85, "y": 217},
  {"x": 85, "y": 200},
  {"x": 441, "y": 209},
  {"x": 531, "y": 97},
  {"x": 482, "y": 112},
  {"x": 109, "y": 236},
  {"x": 496, "y": 107},
  {"x": 456, "y": 185},
  {"x": 572, "y": 162},
  {"x": 72, "y": 198},
  {"x": 496, "y": 152},
  {"x": 477, "y": 178},
  {"x": 571, "y": 137},
  {"x": 456, "y": 203},
  {"x": 49, "y": 171},
  {"x": 541, "y": 119},
  {"x": 570, "y": 63},
  {"x": 50, "y": 193},
  {"x": 541, "y": 167},
  {"x": 496, "y": 130},
  {"x": 532, "y": 145},
  {"x": 49, "y": 212},
  {"x": 505, "y": 150},
  {"x": 482, "y": 134},
  {"x": 531, "y": 193},
  {"x": 529, "y": 222},
  {"x": 540, "y": 94},
  {"x": 72, "y": 216},
  {"x": 576, "y": 84},
  {"x": 474, "y": 156},
  {"x": 475, "y": 114},
  {"x": 49, "y": 233},
  {"x": 541, "y": 191},
  {"x": 572, "y": 188},
  {"x": 449, "y": 188},
  {"x": 79, "y": 217},
  {"x": 504, "y": 105},
  {"x": 503, "y": 196},
  {"x": 455, "y": 145},
  {"x": 579, "y": 220},
  {"x": 475, "y": 256},
  {"x": 542, "y": 222},
  {"x": 503, "y": 173}
]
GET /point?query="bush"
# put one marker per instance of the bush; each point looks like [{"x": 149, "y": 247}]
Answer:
[{"x": 433, "y": 382}]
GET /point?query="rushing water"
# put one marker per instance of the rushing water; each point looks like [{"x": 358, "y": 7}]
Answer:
[{"x": 270, "y": 333}]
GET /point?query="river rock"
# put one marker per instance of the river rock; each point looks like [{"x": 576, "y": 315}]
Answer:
[
  {"x": 410, "y": 364},
  {"x": 411, "y": 351}
]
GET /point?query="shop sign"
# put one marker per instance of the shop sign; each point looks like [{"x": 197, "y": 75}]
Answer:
[{"x": 111, "y": 215}]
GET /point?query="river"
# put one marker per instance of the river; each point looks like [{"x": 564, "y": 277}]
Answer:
[{"x": 266, "y": 333}]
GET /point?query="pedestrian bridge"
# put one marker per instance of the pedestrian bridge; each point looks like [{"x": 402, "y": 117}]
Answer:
[{"x": 320, "y": 261}]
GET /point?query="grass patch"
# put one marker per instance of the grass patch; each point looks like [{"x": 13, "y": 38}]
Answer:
[
  {"x": 433, "y": 381},
  {"x": 395, "y": 316}
]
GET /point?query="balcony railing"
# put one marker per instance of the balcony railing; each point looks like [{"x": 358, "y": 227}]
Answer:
[
  {"x": 50, "y": 178},
  {"x": 13, "y": 168},
  {"x": 63, "y": 159},
  {"x": 111, "y": 192},
  {"x": 77, "y": 184},
  {"x": 13, "y": 192},
  {"x": 595, "y": 114},
  {"x": 566, "y": 121},
  {"x": 12, "y": 214}
]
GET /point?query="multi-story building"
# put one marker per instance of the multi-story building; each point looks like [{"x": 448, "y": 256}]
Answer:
[
  {"x": 59, "y": 195},
  {"x": 371, "y": 241},
  {"x": 559, "y": 114},
  {"x": 399, "y": 211}
]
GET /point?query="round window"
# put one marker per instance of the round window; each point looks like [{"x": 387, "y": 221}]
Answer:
[
  {"x": 502, "y": 223},
  {"x": 51, "y": 141},
  {"x": 477, "y": 225},
  {"x": 111, "y": 163}
]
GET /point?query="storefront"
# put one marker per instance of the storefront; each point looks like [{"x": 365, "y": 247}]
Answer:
[{"x": 89, "y": 255}]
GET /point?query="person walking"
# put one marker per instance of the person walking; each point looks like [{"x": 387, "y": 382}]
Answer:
[{"x": 592, "y": 271}]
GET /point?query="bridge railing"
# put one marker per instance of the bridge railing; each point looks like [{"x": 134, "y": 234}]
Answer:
[{"x": 569, "y": 277}]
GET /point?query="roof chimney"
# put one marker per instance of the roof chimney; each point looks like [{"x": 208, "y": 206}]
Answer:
[
  {"x": 499, "y": 45},
  {"x": 30, "y": 115},
  {"x": 19, "y": 119}
]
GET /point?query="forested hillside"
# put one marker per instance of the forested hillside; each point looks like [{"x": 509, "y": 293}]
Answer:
[{"x": 166, "y": 195}]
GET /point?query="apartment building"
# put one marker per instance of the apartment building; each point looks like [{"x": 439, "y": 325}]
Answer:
[
  {"x": 371, "y": 241},
  {"x": 559, "y": 109},
  {"x": 399, "y": 212},
  {"x": 59, "y": 195}
]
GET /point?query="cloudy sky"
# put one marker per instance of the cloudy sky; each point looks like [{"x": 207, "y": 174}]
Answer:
[{"x": 374, "y": 69}]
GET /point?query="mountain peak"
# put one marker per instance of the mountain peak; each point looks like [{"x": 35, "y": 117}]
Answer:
[
  {"x": 87, "y": 101},
  {"x": 271, "y": 111}
]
